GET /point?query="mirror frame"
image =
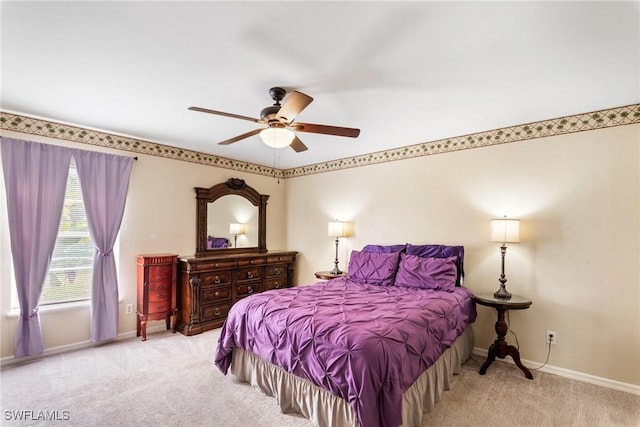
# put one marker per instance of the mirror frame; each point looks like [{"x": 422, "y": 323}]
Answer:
[{"x": 233, "y": 186}]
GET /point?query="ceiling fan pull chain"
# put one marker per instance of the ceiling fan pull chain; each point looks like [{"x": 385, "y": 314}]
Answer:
[{"x": 275, "y": 170}]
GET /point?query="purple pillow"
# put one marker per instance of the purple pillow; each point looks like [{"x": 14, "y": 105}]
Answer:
[
  {"x": 384, "y": 249},
  {"x": 441, "y": 251},
  {"x": 378, "y": 268},
  {"x": 427, "y": 273}
]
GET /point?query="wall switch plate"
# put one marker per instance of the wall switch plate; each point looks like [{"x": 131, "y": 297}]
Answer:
[{"x": 129, "y": 308}]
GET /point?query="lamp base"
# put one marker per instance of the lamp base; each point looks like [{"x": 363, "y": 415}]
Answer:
[
  {"x": 336, "y": 271},
  {"x": 502, "y": 293}
]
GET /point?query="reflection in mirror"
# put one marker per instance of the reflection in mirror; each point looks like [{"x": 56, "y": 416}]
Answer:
[{"x": 227, "y": 210}]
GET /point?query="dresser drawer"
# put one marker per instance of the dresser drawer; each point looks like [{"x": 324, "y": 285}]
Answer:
[
  {"x": 216, "y": 278},
  {"x": 164, "y": 286},
  {"x": 216, "y": 264},
  {"x": 247, "y": 289},
  {"x": 276, "y": 283},
  {"x": 160, "y": 273},
  {"x": 281, "y": 258},
  {"x": 275, "y": 270},
  {"x": 159, "y": 307},
  {"x": 253, "y": 273},
  {"x": 251, "y": 261},
  {"x": 210, "y": 312},
  {"x": 160, "y": 296},
  {"x": 215, "y": 294}
]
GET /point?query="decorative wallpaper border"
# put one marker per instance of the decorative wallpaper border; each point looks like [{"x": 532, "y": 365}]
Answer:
[
  {"x": 33, "y": 126},
  {"x": 601, "y": 119},
  {"x": 620, "y": 116}
]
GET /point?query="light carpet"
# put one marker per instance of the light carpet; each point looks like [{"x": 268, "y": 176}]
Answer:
[{"x": 170, "y": 379}]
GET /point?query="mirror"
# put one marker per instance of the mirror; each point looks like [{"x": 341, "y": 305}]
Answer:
[
  {"x": 231, "y": 217},
  {"x": 227, "y": 210}
]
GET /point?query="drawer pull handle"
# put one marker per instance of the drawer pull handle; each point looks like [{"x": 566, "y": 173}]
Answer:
[
  {"x": 216, "y": 294},
  {"x": 146, "y": 284},
  {"x": 250, "y": 290},
  {"x": 276, "y": 285},
  {"x": 216, "y": 311},
  {"x": 277, "y": 271},
  {"x": 216, "y": 265},
  {"x": 217, "y": 280},
  {"x": 250, "y": 275}
]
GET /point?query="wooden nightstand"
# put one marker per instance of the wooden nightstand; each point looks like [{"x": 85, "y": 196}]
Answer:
[
  {"x": 157, "y": 275},
  {"x": 327, "y": 275},
  {"x": 500, "y": 348}
]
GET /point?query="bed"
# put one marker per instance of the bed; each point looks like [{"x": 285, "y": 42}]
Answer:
[{"x": 374, "y": 348}]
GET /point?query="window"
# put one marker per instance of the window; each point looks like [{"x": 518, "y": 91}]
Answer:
[{"x": 69, "y": 277}]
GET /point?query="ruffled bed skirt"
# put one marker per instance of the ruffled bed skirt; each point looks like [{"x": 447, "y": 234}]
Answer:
[{"x": 295, "y": 394}]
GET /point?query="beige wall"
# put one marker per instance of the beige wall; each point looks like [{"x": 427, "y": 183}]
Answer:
[
  {"x": 159, "y": 217},
  {"x": 578, "y": 198}
]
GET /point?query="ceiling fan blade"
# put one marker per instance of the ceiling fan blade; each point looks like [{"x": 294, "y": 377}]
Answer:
[
  {"x": 327, "y": 130},
  {"x": 240, "y": 137},
  {"x": 295, "y": 103},
  {"x": 297, "y": 145},
  {"x": 222, "y": 113}
]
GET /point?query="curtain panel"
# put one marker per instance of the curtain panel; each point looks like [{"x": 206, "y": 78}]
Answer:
[
  {"x": 104, "y": 179},
  {"x": 35, "y": 181}
]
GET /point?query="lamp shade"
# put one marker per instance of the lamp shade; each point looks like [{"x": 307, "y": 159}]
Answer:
[
  {"x": 337, "y": 229},
  {"x": 505, "y": 230},
  {"x": 236, "y": 229},
  {"x": 277, "y": 137}
]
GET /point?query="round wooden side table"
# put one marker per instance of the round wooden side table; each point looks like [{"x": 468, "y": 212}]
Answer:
[
  {"x": 327, "y": 275},
  {"x": 500, "y": 348}
]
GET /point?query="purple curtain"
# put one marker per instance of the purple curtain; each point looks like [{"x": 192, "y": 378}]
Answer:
[
  {"x": 35, "y": 181},
  {"x": 104, "y": 179}
]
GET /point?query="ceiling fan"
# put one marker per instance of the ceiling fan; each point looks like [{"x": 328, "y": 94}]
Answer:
[{"x": 280, "y": 119}]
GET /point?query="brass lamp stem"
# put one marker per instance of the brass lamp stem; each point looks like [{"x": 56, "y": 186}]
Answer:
[
  {"x": 502, "y": 292},
  {"x": 336, "y": 270}
]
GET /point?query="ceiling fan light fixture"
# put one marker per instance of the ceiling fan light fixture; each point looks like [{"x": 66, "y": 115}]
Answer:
[{"x": 277, "y": 137}]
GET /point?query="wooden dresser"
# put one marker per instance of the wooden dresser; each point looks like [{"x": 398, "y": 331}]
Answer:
[
  {"x": 209, "y": 285},
  {"x": 157, "y": 298}
]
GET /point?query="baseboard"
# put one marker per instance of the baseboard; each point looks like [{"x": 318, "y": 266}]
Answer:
[
  {"x": 10, "y": 360},
  {"x": 574, "y": 375}
]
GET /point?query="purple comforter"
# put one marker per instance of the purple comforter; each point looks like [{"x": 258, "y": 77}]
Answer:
[{"x": 364, "y": 343}]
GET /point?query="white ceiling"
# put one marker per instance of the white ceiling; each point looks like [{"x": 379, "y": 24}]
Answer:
[{"x": 402, "y": 72}]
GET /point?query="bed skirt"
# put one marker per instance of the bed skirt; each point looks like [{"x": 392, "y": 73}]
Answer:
[{"x": 324, "y": 409}]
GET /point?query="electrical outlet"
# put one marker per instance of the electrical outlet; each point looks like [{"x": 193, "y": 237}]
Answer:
[
  {"x": 129, "y": 308},
  {"x": 551, "y": 337}
]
